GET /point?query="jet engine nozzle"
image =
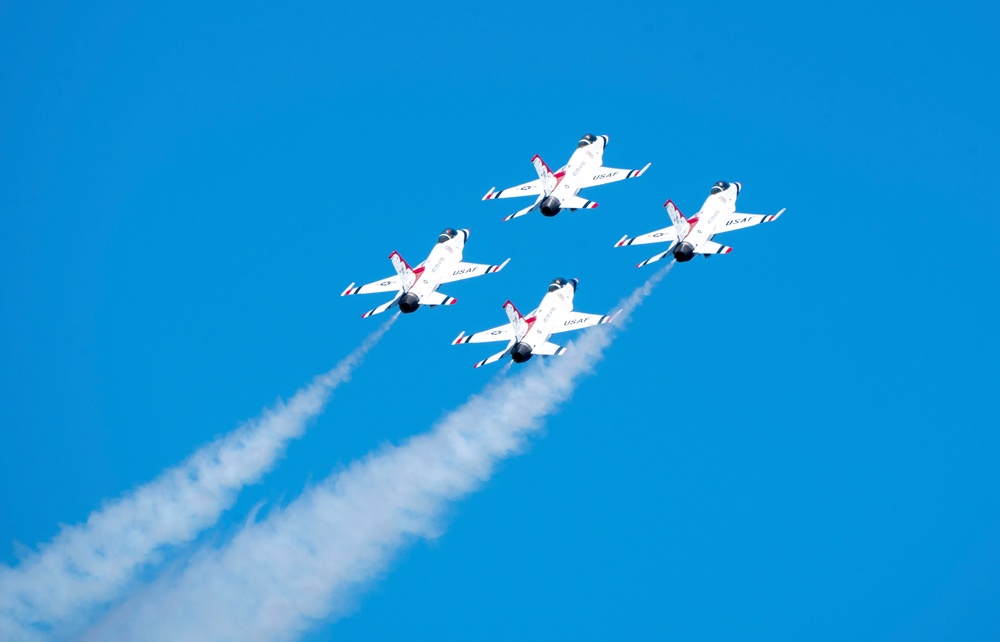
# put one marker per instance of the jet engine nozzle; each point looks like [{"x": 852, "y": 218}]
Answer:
[
  {"x": 521, "y": 352},
  {"x": 550, "y": 206},
  {"x": 683, "y": 252},
  {"x": 408, "y": 303}
]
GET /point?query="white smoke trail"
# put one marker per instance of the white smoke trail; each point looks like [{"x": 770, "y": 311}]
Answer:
[
  {"x": 278, "y": 577},
  {"x": 90, "y": 564}
]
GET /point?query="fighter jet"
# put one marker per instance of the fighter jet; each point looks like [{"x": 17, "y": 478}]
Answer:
[
  {"x": 688, "y": 237},
  {"x": 558, "y": 190},
  {"x": 418, "y": 286},
  {"x": 530, "y": 336}
]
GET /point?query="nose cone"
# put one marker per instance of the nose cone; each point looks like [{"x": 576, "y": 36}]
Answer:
[
  {"x": 739, "y": 187},
  {"x": 465, "y": 234},
  {"x": 574, "y": 283}
]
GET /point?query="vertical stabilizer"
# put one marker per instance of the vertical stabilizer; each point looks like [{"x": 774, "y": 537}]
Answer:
[
  {"x": 544, "y": 174},
  {"x": 517, "y": 321},
  {"x": 406, "y": 276},
  {"x": 681, "y": 225}
]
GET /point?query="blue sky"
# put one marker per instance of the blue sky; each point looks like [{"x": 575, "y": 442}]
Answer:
[{"x": 796, "y": 440}]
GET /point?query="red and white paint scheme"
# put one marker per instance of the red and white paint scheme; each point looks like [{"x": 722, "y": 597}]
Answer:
[
  {"x": 558, "y": 190},
  {"x": 418, "y": 286},
  {"x": 527, "y": 336},
  {"x": 690, "y": 236}
]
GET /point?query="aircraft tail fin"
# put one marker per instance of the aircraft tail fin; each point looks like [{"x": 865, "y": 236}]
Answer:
[
  {"x": 406, "y": 276},
  {"x": 517, "y": 321},
  {"x": 681, "y": 225},
  {"x": 544, "y": 173}
]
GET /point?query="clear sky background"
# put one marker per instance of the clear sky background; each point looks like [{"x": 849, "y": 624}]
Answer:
[{"x": 795, "y": 441}]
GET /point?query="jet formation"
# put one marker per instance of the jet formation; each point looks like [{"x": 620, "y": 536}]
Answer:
[{"x": 527, "y": 336}]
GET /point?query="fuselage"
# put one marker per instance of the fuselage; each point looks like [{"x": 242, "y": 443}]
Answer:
[
  {"x": 719, "y": 206},
  {"x": 551, "y": 311},
  {"x": 440, "y": 262},
  {"x": 587, "y": 157}
]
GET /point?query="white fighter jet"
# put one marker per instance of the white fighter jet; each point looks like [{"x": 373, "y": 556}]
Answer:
[
  {"x": 558, "y": 190},
  {"x": 418, "y": 286},
  {"x": 688, "y": 237},
  {"x": 529, "y": 336}
]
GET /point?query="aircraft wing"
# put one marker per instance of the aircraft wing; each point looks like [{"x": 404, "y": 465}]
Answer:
[
  {"x": 388, "y": 284},
  {"x": 738, "y": 221},
  {"x": 500, "y": 333},
  {"x": 465, "y": 270},
  {"x": 603, "y": 175},
  {"x": 531, "y": 188},
  {"x": 666, "y": 235},
  {"x": 580, "y": 320}
]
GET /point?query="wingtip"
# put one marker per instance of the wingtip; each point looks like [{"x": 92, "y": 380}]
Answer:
[
  {"x": 348, "y": 289},
  {"x": 643, "y": 170},
  {"x": 778, "y": 214},
  {"x": 621, "y": 241},
  {"x": 489, "y": 193},
  {"x": 502, "y": 265},
  {"x": 458, "y": 339}
]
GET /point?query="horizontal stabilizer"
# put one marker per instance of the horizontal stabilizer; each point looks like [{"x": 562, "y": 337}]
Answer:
[
  {"x": 711, "y": 247},
  {"x": 382, "y": 308},
  {"x": 526, "y": 210},
  {"x": 654, "y": 259},
  {"x": 577, "y": 203},
  {"x": 548, "y": 349},
  {"x": 494, "y": 358},
  {"x": 437, "y": 298}
]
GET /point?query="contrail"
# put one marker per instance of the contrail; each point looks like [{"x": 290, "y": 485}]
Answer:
[
  {"x": 89, "y": 564},
  {"x": 275, "y": 579}
]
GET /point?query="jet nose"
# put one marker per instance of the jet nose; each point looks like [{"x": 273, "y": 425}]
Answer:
[
  {"x": 574, "y": 283},
  {"x": 739, "y": 187},
  {"x": 606, "y": 140},
  {"x": 465, "y": 233}
]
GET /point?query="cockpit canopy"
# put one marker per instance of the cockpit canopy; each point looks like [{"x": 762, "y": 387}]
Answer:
[
  {"x": 447, "y": 234},
  {"x": 721, "y": 186},
  {"x": 586, "y": 140},
  {"x": 557, "y": 283}
]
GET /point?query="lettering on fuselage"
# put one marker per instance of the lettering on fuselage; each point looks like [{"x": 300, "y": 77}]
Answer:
[
  {"x": 737, "y": 221},
  {"x": 601, "y": 177},
  {"x": 573, "y": 322},
  {"x": 384, "y": 283},
  {"x": 463, "y": 271}
]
